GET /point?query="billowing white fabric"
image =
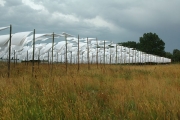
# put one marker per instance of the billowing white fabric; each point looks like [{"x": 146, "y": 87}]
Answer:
[
  {"x": 82, "y": 45},
  {"x": 42, "y": 37},
  {"x": 25, "y": 49},
  {"x": 37, "y": 37},
  {"x": 66, "y": 34},
  {"x": 72, "y": 38},
  {"x": 74, "y": 49},
  {"x": 40, "y": 46},
  {"x": 46, "y": 48},
  {"x": 3, "y": 28},
  {"x": 113, "y": 54},
  {"x": 60, "y": 45},
  {"x": 4, "y": 40},
  {"x": 91, "y": 39},
  {"x": 30, "y": 50},
  {"x": 15, "y": 47},
  {"x": 19, "y": 38},
  {"x": 94, "y": 42},
  {"x": 50, "y": 35},
  {"x": 2, "y": 54},
  {"x": 113, "y": 45},
  {"x": 69, "y": 46}
]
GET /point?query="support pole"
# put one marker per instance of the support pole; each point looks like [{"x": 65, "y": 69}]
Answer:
[
  {"x": 48, "y": 58},
  {"x": 116, "y": 54},
  {"x": 135, "y": 57},
  {"x": 121, "y": 55},
  {"x": 71, "y": 57},
  {"x": 27, "y": 57},
  {"x": 110, "y": 55},
  {"x": 78, "y": 52},
  {"x": 52, "y": 53},
  {"x": 97, "y": 53},
  {"x": 66, "y": 51},
  {"x": 57, "y": 58},
  {"x": 39, "y": 58},
  {"x": 129, "y": 55},
  {"x": 104, "y": 53},
  {"x": 9, "y": 61},
  {"x": 88, "y": 53},
  {"x": 33, "y": 53},
  {"x": 14, "y": 57}
]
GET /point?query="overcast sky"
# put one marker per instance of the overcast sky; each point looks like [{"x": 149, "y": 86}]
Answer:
[{"x": 114, "y": 20}]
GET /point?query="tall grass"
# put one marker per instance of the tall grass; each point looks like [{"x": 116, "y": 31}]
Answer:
[{"x": 111, "y": 92}]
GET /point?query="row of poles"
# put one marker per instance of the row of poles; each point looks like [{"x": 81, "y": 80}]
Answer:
[
  {"x": 9, "y": 59},
  {"x": 66, "y": 61}
]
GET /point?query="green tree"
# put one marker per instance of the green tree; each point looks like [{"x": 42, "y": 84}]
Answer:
[
  {"x": 131, "y": 44},
  {"x": 152, "y": 44},
  {"x": 169, "y": 55},
  {"x": 176, "y": 55}
]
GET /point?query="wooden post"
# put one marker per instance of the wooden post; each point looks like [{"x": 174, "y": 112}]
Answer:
[
  {"x": 27, "y": 57},
  {"x": 116, "y": 53},
  {"x": 110, "y": 56},
  {"x": 52, "y": 48},
  {"x": 14, "y": 57},
  {"x": 121, "y": 55},
  {"x": 97, "y": 53},
  {"x": 135, "y": 55},
  {"x": 9, "y": 61},
  {"x": 66, "y": 51},
  {"x": 104, "y": 53},
  {"x": 129, "y": 55},
  {"x": 57, "y": 58},
  {"x": 88, "y": 53},
  {"x": 71, "y": 57},
  {"x": 48, "y": 58},
  {"x": 33, "y": 53},
  {"x": 52, "y": 53},
  {"x": 39, "y": 58},
  {"x": 78, "y": 52}
]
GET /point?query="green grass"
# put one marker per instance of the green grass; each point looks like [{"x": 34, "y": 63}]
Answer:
[{"x": 118, "y": 92}]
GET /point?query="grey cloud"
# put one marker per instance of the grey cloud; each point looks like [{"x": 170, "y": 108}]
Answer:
[{"x": 130, "y": 18}]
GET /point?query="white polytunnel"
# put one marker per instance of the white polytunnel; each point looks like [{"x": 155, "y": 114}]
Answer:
[
  {"x": 69, "y": 46},
  {"x": 46, "y": 48},
  {"x": 1, "y": 54},
  {"x": 90, "y": 49},
  {"x": 4, "y": 40},
  {"x": 19, "y": 38},
  {"x": 72, "y": 38},
  {"x": 37, "y": 37},
  {"x": 59, "y": 45},
  {"x": 15, "y": 47}
]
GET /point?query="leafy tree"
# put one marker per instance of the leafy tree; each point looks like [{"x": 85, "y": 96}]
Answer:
[
  {"x": 169, "y": 55},
  {"x": 176, "y": 55},
  {"x": 131, "y": 44},
  {"x": 152, "y": 44}
]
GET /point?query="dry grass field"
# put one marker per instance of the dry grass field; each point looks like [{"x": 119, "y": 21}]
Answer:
[{"x": 110, "y": 92}]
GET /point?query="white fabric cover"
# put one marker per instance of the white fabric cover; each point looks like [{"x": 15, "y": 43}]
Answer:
[
  {"x": 4, "y": 40},
  {"x": 3, "y": 28},
  {"x": 59, "y": 45},
  {"x": 19, "y": 38},
  {"x": 46, "y": 48}
]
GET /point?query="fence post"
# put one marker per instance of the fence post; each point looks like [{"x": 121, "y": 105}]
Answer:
[{"x": 9, "y": 61}]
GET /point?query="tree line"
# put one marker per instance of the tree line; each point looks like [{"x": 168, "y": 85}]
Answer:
[{"x": 151, "y": 43}]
